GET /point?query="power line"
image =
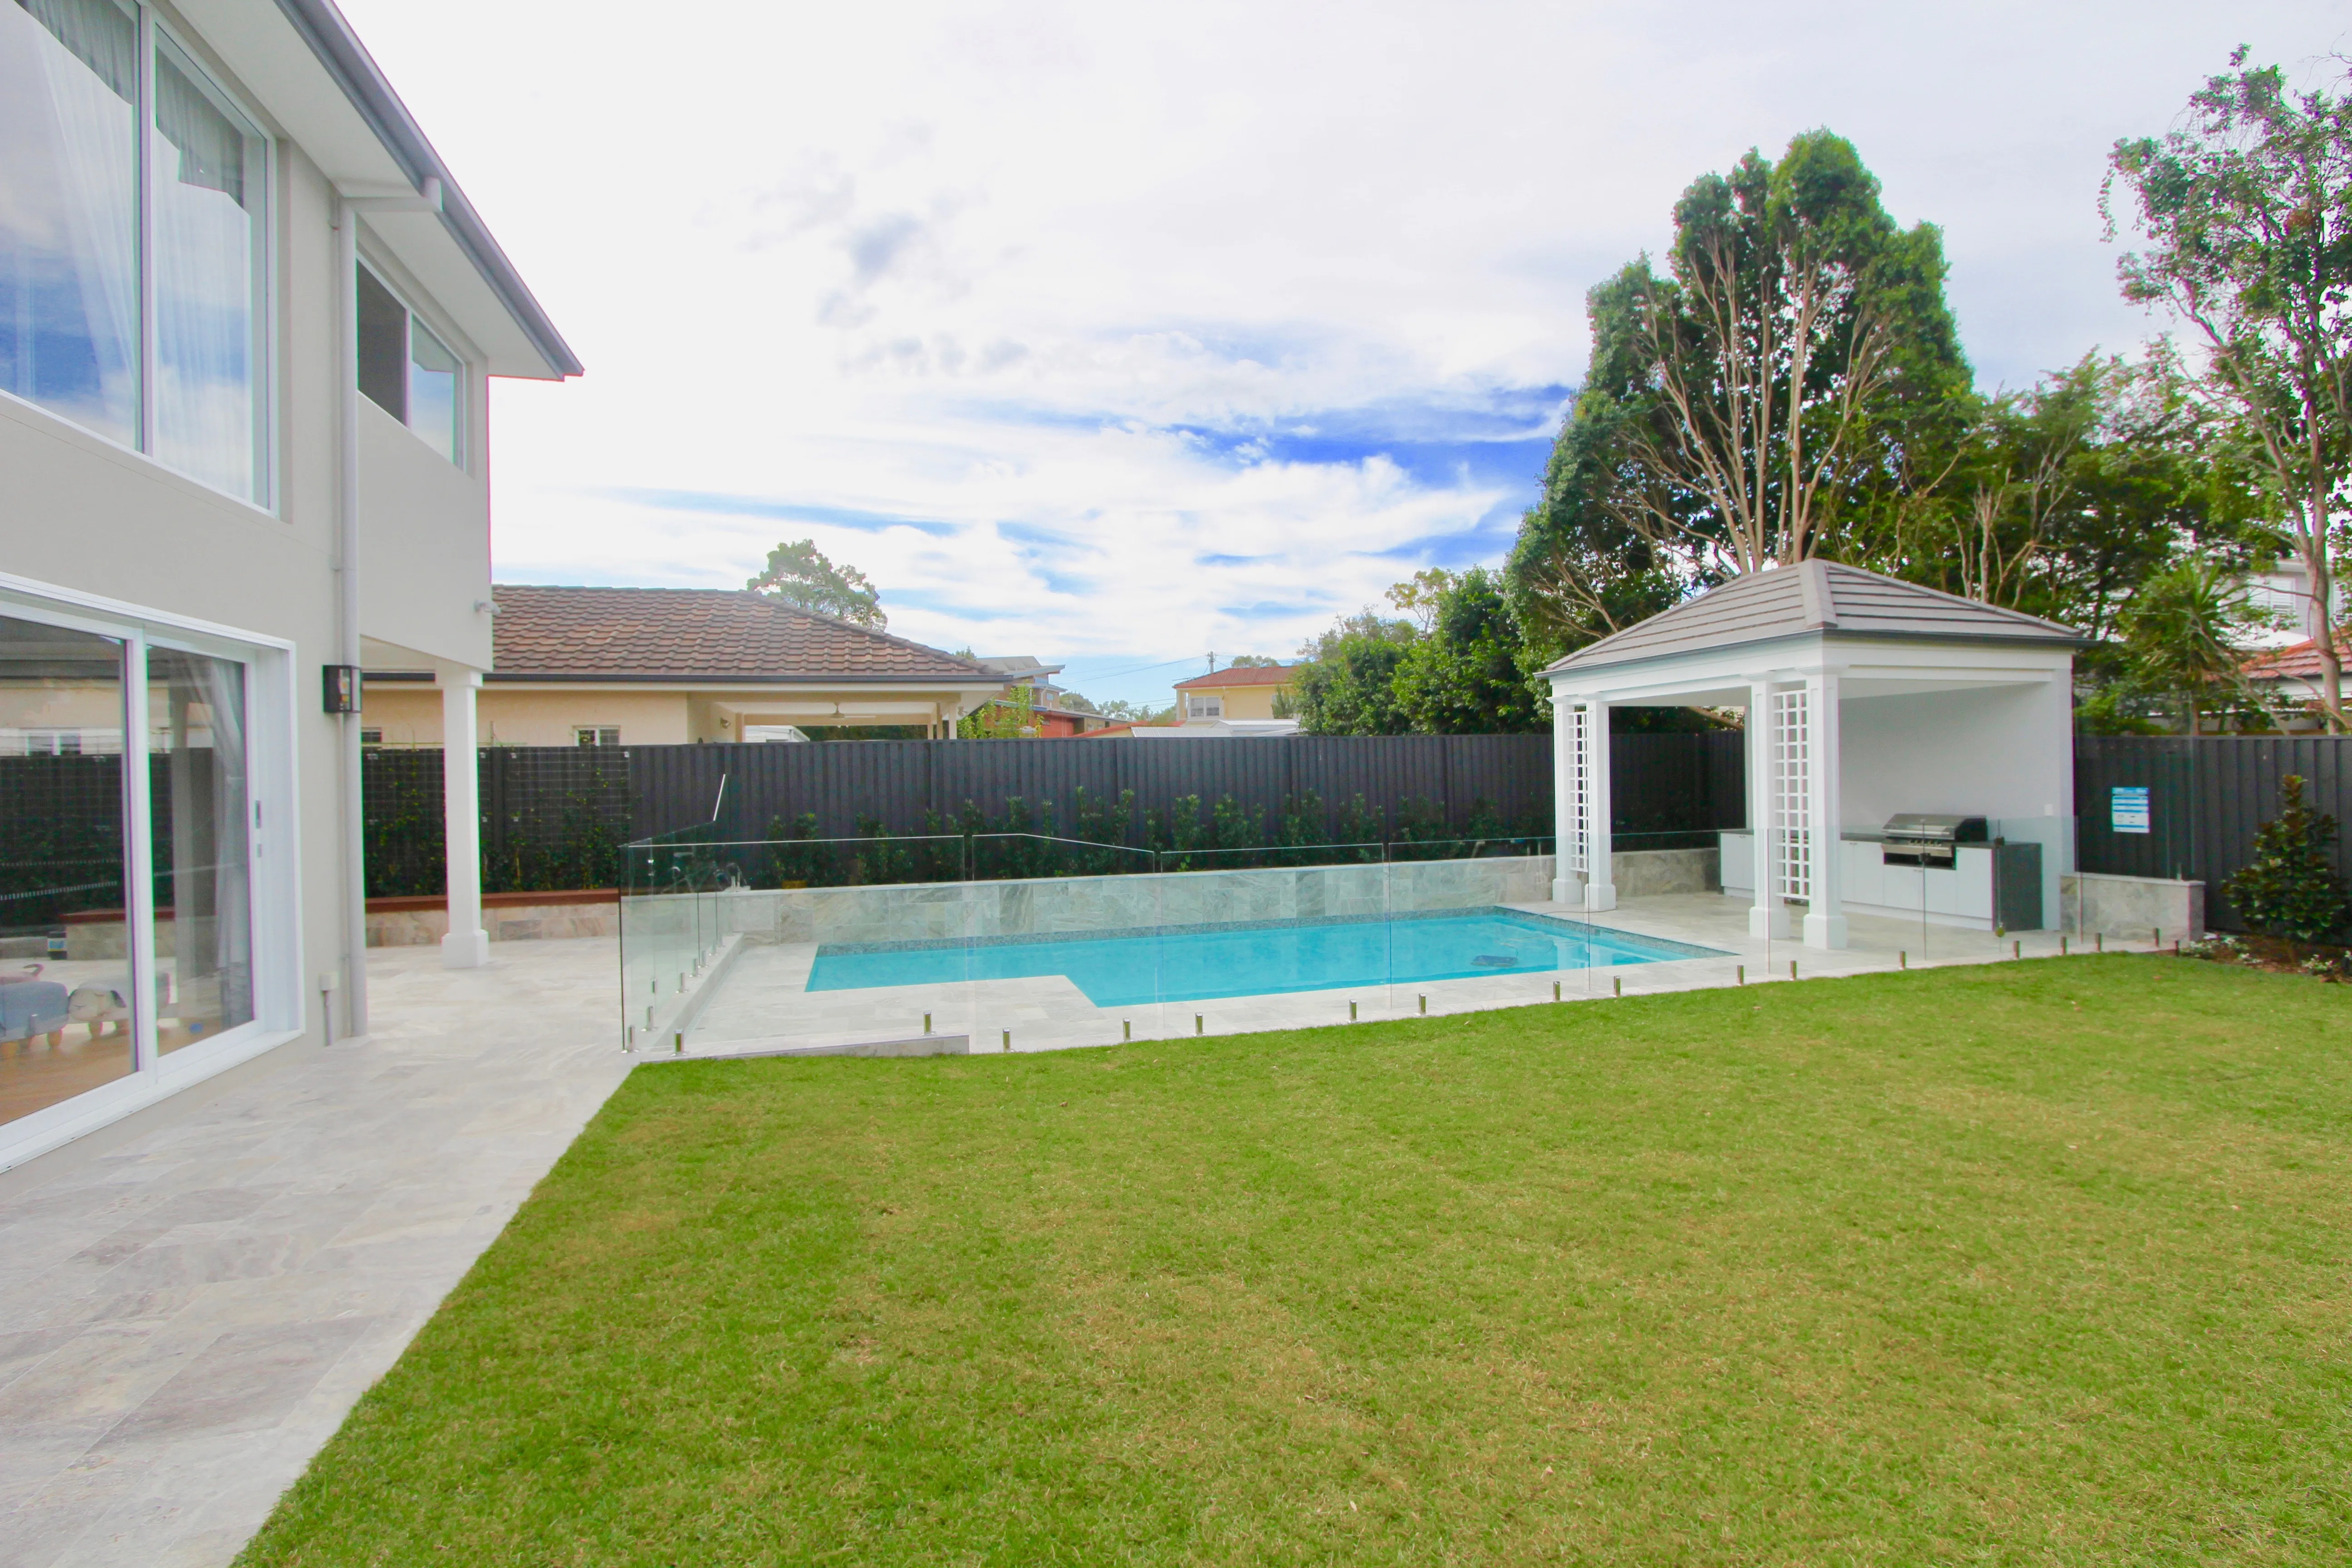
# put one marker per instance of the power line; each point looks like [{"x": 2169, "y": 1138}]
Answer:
[{"x": 1139, "y": 670}]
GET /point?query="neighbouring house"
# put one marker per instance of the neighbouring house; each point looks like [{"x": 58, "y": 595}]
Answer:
[
  {"x": 1246, "y": 692},
  {"x": 1226, "y": 704},
  {"x": 2289, "y": 681},
  {"x": 247, "y": 326},
  {"x": 1050, "y": 718},
  {"x": 2282, "y": 593},
  {"x": 667, "y": 667}
]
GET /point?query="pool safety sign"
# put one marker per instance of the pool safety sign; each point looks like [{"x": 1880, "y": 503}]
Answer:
[{"x": 2127, "y": 808}]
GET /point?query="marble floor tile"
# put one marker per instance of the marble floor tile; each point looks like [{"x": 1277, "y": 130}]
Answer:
[{"x": 189, "y": 1315}]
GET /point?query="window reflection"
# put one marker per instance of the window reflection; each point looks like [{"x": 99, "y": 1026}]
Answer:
[
  {"x": 69, "y": 222},
  {"x": 207, "y": 180},
  {"x": 65, "y": 1019},
  {"x": 202, "y": 811},
  {"x": 431, "y": 390}
]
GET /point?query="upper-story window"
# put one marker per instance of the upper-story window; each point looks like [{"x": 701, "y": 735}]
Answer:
[
  {"x": 161, "y": 345},
  {"x": 1197, "y": 706},
  {"x": 407, "y": 372}
]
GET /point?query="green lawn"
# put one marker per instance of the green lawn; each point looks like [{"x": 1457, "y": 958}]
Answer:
[{"x": 2040, "y": 1263}]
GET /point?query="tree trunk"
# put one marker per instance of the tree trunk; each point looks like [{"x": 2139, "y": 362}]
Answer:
[{"x": 2313, "y": 546}]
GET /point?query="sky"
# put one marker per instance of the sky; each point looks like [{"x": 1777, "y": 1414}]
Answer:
[{"x": 1123, "y": 335}]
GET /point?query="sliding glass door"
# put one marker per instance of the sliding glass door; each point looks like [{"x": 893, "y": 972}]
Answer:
[
  {"x": 65, "y": 976},
  {"x": 128, "y": 848}
]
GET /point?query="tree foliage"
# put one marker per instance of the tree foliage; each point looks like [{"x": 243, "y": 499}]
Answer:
[
  {"x": 1463, "y": 670},
  {"x": 2247, "y": 212},
  {"x": 1466, "y": 674},
  {"x": 1764, "y": 388},
  {"x": 2181, "y": 634},
  {"x": 801, "y": 575},
  {"x": 1347, "y": 684}
]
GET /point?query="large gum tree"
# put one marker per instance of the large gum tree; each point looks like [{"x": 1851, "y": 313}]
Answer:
[
  {"x": 1772, "y": 376},
  {"x": 2247, "y": 211}
]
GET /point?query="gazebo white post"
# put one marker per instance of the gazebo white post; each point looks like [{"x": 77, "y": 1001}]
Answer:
[
  {"x": 1567, "y": 827},
  {"x": 1825, "y": 919},
  {"x": 1599, "y": 879},
  {"x": 1770, "y": 917}
]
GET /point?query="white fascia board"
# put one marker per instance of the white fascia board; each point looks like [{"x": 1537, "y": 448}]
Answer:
[
  {"x": 1888, "y": 666},
  {"x": 276, "y": 67}
]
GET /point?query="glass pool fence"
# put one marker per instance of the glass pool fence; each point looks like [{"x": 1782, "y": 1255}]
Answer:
[{"x": 920, "y": 943}]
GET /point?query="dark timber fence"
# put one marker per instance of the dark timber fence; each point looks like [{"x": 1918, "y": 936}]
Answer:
[
  {"x": 2206, "y": 799},
  {"x": 556, "y": 816},
  {"x": 553, "y": 815}
]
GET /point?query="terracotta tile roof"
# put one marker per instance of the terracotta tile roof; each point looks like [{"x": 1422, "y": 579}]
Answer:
[
  {"x": 2297, "y": 661},
  {"x": 697, "y": 634},
  {"x": 1247, "y": 675}
]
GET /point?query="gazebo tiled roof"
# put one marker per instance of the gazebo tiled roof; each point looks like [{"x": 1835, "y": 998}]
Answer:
[
  {"x": 697, "y": 634},
  {"x": 1816, "y": 596}
]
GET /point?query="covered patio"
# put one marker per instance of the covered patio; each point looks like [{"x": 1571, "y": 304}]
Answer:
[{"x": 1865, "y": 698}]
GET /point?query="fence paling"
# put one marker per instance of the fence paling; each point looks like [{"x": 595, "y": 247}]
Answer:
[{"x": 2207, "y": 797}]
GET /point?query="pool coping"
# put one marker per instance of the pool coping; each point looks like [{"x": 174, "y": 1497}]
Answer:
[{"x": 1552, "y": 924}]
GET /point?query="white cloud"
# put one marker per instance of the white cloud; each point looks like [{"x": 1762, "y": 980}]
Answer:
[{"x": 1048, "y": 271}]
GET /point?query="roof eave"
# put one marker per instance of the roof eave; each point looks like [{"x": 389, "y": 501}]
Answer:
[
  {"x": 338, "y": 49},
  {"x": 1828, "y": 634}
]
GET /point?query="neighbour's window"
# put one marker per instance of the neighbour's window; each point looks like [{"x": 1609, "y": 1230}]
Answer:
[
  {"x": 406, "y": 371},
  {"x": 597, "y": 734},
  {"x": 1199, "y": 707},
  {"x": 371, "y": 737},
  {"x": 74, "y": 282}
]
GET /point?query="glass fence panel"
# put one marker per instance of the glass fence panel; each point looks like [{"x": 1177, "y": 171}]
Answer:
[{"x": 1021, "y": 940}]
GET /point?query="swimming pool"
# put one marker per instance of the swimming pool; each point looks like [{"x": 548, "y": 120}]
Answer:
[{"x": 1197, "y": 963}]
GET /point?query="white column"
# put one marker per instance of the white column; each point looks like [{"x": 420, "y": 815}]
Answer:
[
  {"x": 1600, "y": 881},
  {"x": 467, "y": 945},
  {"x": 1567, "y": 876},
  {"x": 1825, "y": 920},
  {"x": 1768, "y": 919}
]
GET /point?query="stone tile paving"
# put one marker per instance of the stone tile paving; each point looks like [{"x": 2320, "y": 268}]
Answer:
[{"x": 186, "y": 1316}]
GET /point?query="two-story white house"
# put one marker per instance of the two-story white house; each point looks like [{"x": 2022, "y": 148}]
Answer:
[{"x": 247, "y": 327}]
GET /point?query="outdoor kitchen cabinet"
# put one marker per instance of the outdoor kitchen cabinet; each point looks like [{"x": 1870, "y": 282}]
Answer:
[{"x": 1962, "y": 896}]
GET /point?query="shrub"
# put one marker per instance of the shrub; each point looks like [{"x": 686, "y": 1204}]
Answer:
[{"x": 2291, "y": 888}]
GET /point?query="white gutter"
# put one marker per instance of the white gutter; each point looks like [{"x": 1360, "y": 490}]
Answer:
[{"x": 347, "y": 581}]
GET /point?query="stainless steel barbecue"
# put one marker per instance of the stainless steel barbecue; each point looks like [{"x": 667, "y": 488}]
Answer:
[{"x": 1922, "y": 839}]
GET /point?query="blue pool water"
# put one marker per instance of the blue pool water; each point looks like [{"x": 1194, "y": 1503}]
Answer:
[{"x": 1195, "y": 963}]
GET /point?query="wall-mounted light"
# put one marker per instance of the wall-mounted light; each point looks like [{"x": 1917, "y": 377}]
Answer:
[{"x": 341, "y": 688}]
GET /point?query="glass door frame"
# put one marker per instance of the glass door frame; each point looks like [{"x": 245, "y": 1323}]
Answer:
[{"x": 272, "y": 854}]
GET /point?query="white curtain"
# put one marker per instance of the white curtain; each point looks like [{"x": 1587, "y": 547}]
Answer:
[
  {"x": 207, "y": 255},
  {"x": 221, "y": 683},
  {"x": 71, "y": 219}
]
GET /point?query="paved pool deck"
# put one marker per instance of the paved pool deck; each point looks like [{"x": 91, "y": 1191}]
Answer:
[
  {"x": 192, "y": 1299},
  {"x": 758, "y": 1001}
]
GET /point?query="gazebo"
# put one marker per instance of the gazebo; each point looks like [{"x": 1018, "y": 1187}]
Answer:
[{"x": 1866, "y": 697}]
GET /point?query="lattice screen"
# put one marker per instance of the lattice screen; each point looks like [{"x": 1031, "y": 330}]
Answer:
[
  {"x": 1792, "y": 769},
  {"x": 1575, "y": 845}
]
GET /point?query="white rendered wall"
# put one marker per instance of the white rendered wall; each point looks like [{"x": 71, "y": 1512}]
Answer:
[
  {"x": 82, "y": 514},
  {"x": 424, "y": 545},
  {"x": 2005, "y": 752}
]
